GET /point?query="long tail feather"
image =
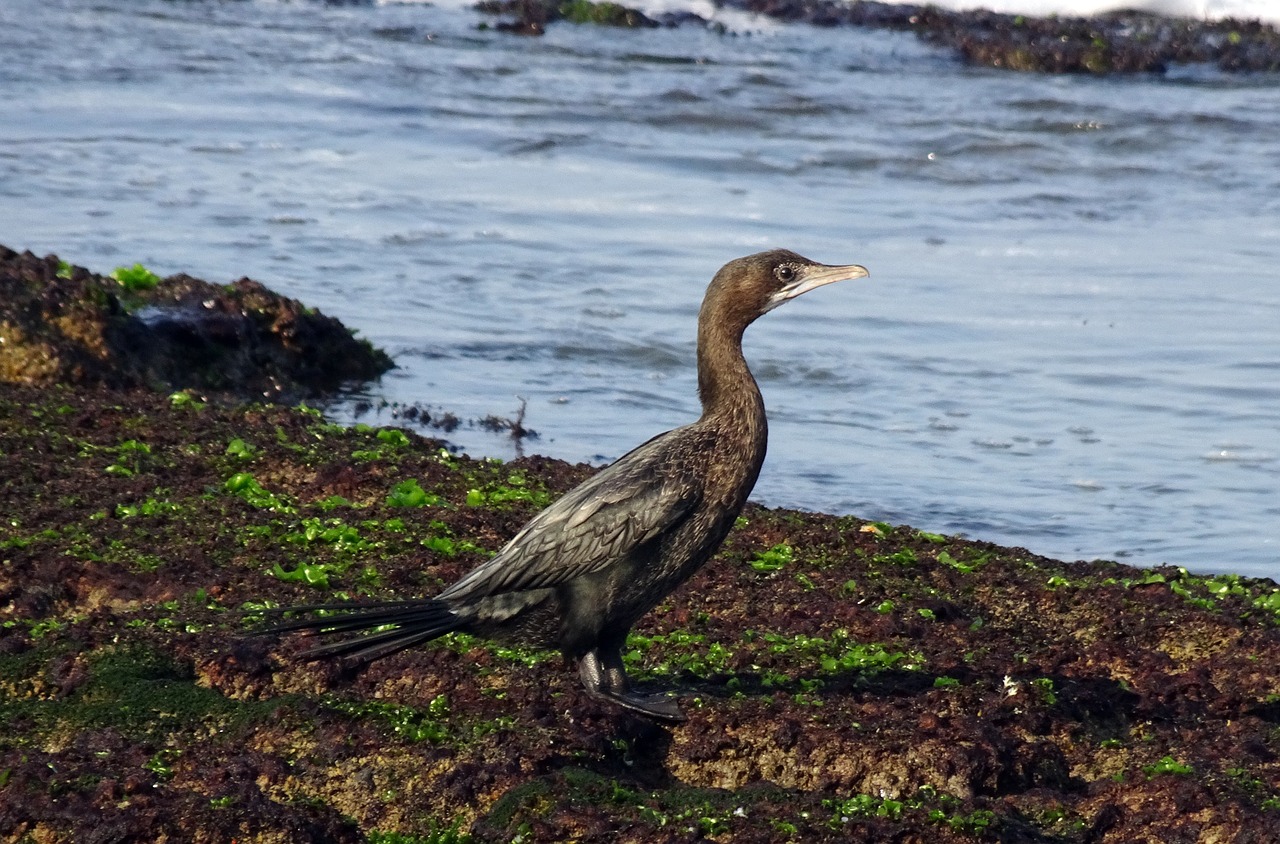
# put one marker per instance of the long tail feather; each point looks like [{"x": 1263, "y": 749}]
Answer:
[{"x": 410, "y": 623}]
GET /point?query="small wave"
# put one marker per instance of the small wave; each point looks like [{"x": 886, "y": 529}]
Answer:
[{"x": 1244, "y": 456}]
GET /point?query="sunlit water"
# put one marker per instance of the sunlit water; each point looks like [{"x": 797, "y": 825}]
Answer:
[{"x": 1070, "y": 340}]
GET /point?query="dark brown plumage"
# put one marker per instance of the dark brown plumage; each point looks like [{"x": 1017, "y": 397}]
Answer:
[{"x": 582, "y": 571}]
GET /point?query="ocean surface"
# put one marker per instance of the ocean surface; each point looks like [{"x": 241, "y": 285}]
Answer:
[{"x": 1070, "y": 340}]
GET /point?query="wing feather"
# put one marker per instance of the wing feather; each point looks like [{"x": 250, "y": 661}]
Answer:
[{"x": 647, "y": 491}]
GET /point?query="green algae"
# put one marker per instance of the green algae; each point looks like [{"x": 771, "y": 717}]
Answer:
[
  {"x": 1167, "y": 765},
  {"x": 930, "y": 805},
  {"x": 699, "y": 812},
  {"x": 133, "y": 279},
  {"x": 773, "y": 559},
  {"x": 245, "y": 486},
  {"x": 409, "y": 493},
  {"x": 603, "y": 14},
  {"x": 140, "y": 692},
  {"x": 516, "y": 487},
  {"x": 407, "y": 723},
  {"x": 837, "y": 653},
  {"x": 439, "y": 833},
  {"x": 464, "y": 643}
]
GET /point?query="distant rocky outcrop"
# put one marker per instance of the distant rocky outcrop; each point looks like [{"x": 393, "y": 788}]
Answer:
[
  {"x": 1117, "y": 42},
  {"x": 64, "y": 324}
]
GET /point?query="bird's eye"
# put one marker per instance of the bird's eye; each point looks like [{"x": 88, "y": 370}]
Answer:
[{"x": 785, "y": 273}]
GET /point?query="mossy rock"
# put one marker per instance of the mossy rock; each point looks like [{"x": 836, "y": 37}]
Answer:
[{"x": 64, "y": 324}]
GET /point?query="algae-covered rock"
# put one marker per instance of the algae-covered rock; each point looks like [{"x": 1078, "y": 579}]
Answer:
[
  {"x": 1116, "y": 42},
  {"x": 532, "y": 16},
  {"x": 845, "y": 680},
  {"x": 60, "y": 323}
]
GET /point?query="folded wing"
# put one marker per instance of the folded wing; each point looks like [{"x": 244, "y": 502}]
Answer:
[{"x": 626, "y": 505}]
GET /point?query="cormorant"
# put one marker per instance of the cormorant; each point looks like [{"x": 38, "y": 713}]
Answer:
[{"x": 582, "y": 571}]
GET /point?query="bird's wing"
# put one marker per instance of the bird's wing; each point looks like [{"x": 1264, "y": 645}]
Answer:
[{"x": 627, "y": 504}]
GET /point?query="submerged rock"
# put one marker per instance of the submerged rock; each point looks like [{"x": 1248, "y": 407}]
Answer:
[
  {"x": 65, "y": 324},
  {"x": 530, "y": 17}
]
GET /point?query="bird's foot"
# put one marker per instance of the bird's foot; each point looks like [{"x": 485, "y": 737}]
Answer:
[
  {"x": 657, "y": 705},
  {"x": 604, "y": 677}
]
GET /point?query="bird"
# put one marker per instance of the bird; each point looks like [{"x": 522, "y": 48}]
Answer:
[{"x": 581, "y": 572}]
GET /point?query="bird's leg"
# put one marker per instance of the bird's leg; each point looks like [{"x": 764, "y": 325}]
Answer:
[{"x": 602, "y": 674}]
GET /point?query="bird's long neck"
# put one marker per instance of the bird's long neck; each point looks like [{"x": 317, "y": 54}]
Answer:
[{"x": 728, "y": 391}]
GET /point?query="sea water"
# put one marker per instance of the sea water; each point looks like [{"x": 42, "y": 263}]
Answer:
[{"x": 1070, "y": 340}]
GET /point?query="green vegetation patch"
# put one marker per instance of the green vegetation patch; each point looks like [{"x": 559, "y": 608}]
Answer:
[
  {"x": 759, "y": 653},
  {"x": 409, "y": 493},
  {"x": 936, "y": 808},
  {"x": 602, "y": 14},
  {"x": 1167, "y": 765},
  {"x": 135, "y": 278},
  {"x": 439, "y": 833},
  {"x": 515, "y": 488},
  {"x": 1256, "y": 598},
  {"x": 680, "y": 810},
  {"x": 139, "y": 691},
  {"x": 405, "y": 722},
  {"x": 511, "y": 654},
  {"x": 675, "y": 652},
  {"x": 773, "y": 559},
  {"x": 837, "y": 653},
  {"x": 246, "y": 487}
]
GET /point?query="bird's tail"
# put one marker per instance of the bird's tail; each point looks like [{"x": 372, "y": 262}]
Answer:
[{"x": 395, "y": 625}]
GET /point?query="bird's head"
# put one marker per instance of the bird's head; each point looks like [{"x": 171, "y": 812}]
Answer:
[{"x": 749, "y": 287}]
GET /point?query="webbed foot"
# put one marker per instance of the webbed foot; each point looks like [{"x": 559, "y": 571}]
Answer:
[
  {"x": 656, "y": 705},
  {"x": 604, "y": 678}
]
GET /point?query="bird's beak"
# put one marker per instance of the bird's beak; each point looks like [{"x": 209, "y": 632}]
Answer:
[{"x": 816, "y": 275}]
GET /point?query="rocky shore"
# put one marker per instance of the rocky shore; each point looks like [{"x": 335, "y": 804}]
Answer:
[
  {"x": 846, "y": 680},
  {"x": 1118, "y": 42}
]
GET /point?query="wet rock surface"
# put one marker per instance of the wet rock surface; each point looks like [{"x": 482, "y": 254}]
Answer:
[
  {"x": 65, "y": 324},
  {"x": 845, "y": 681},
  {"x": 1119, "y": 42}
]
